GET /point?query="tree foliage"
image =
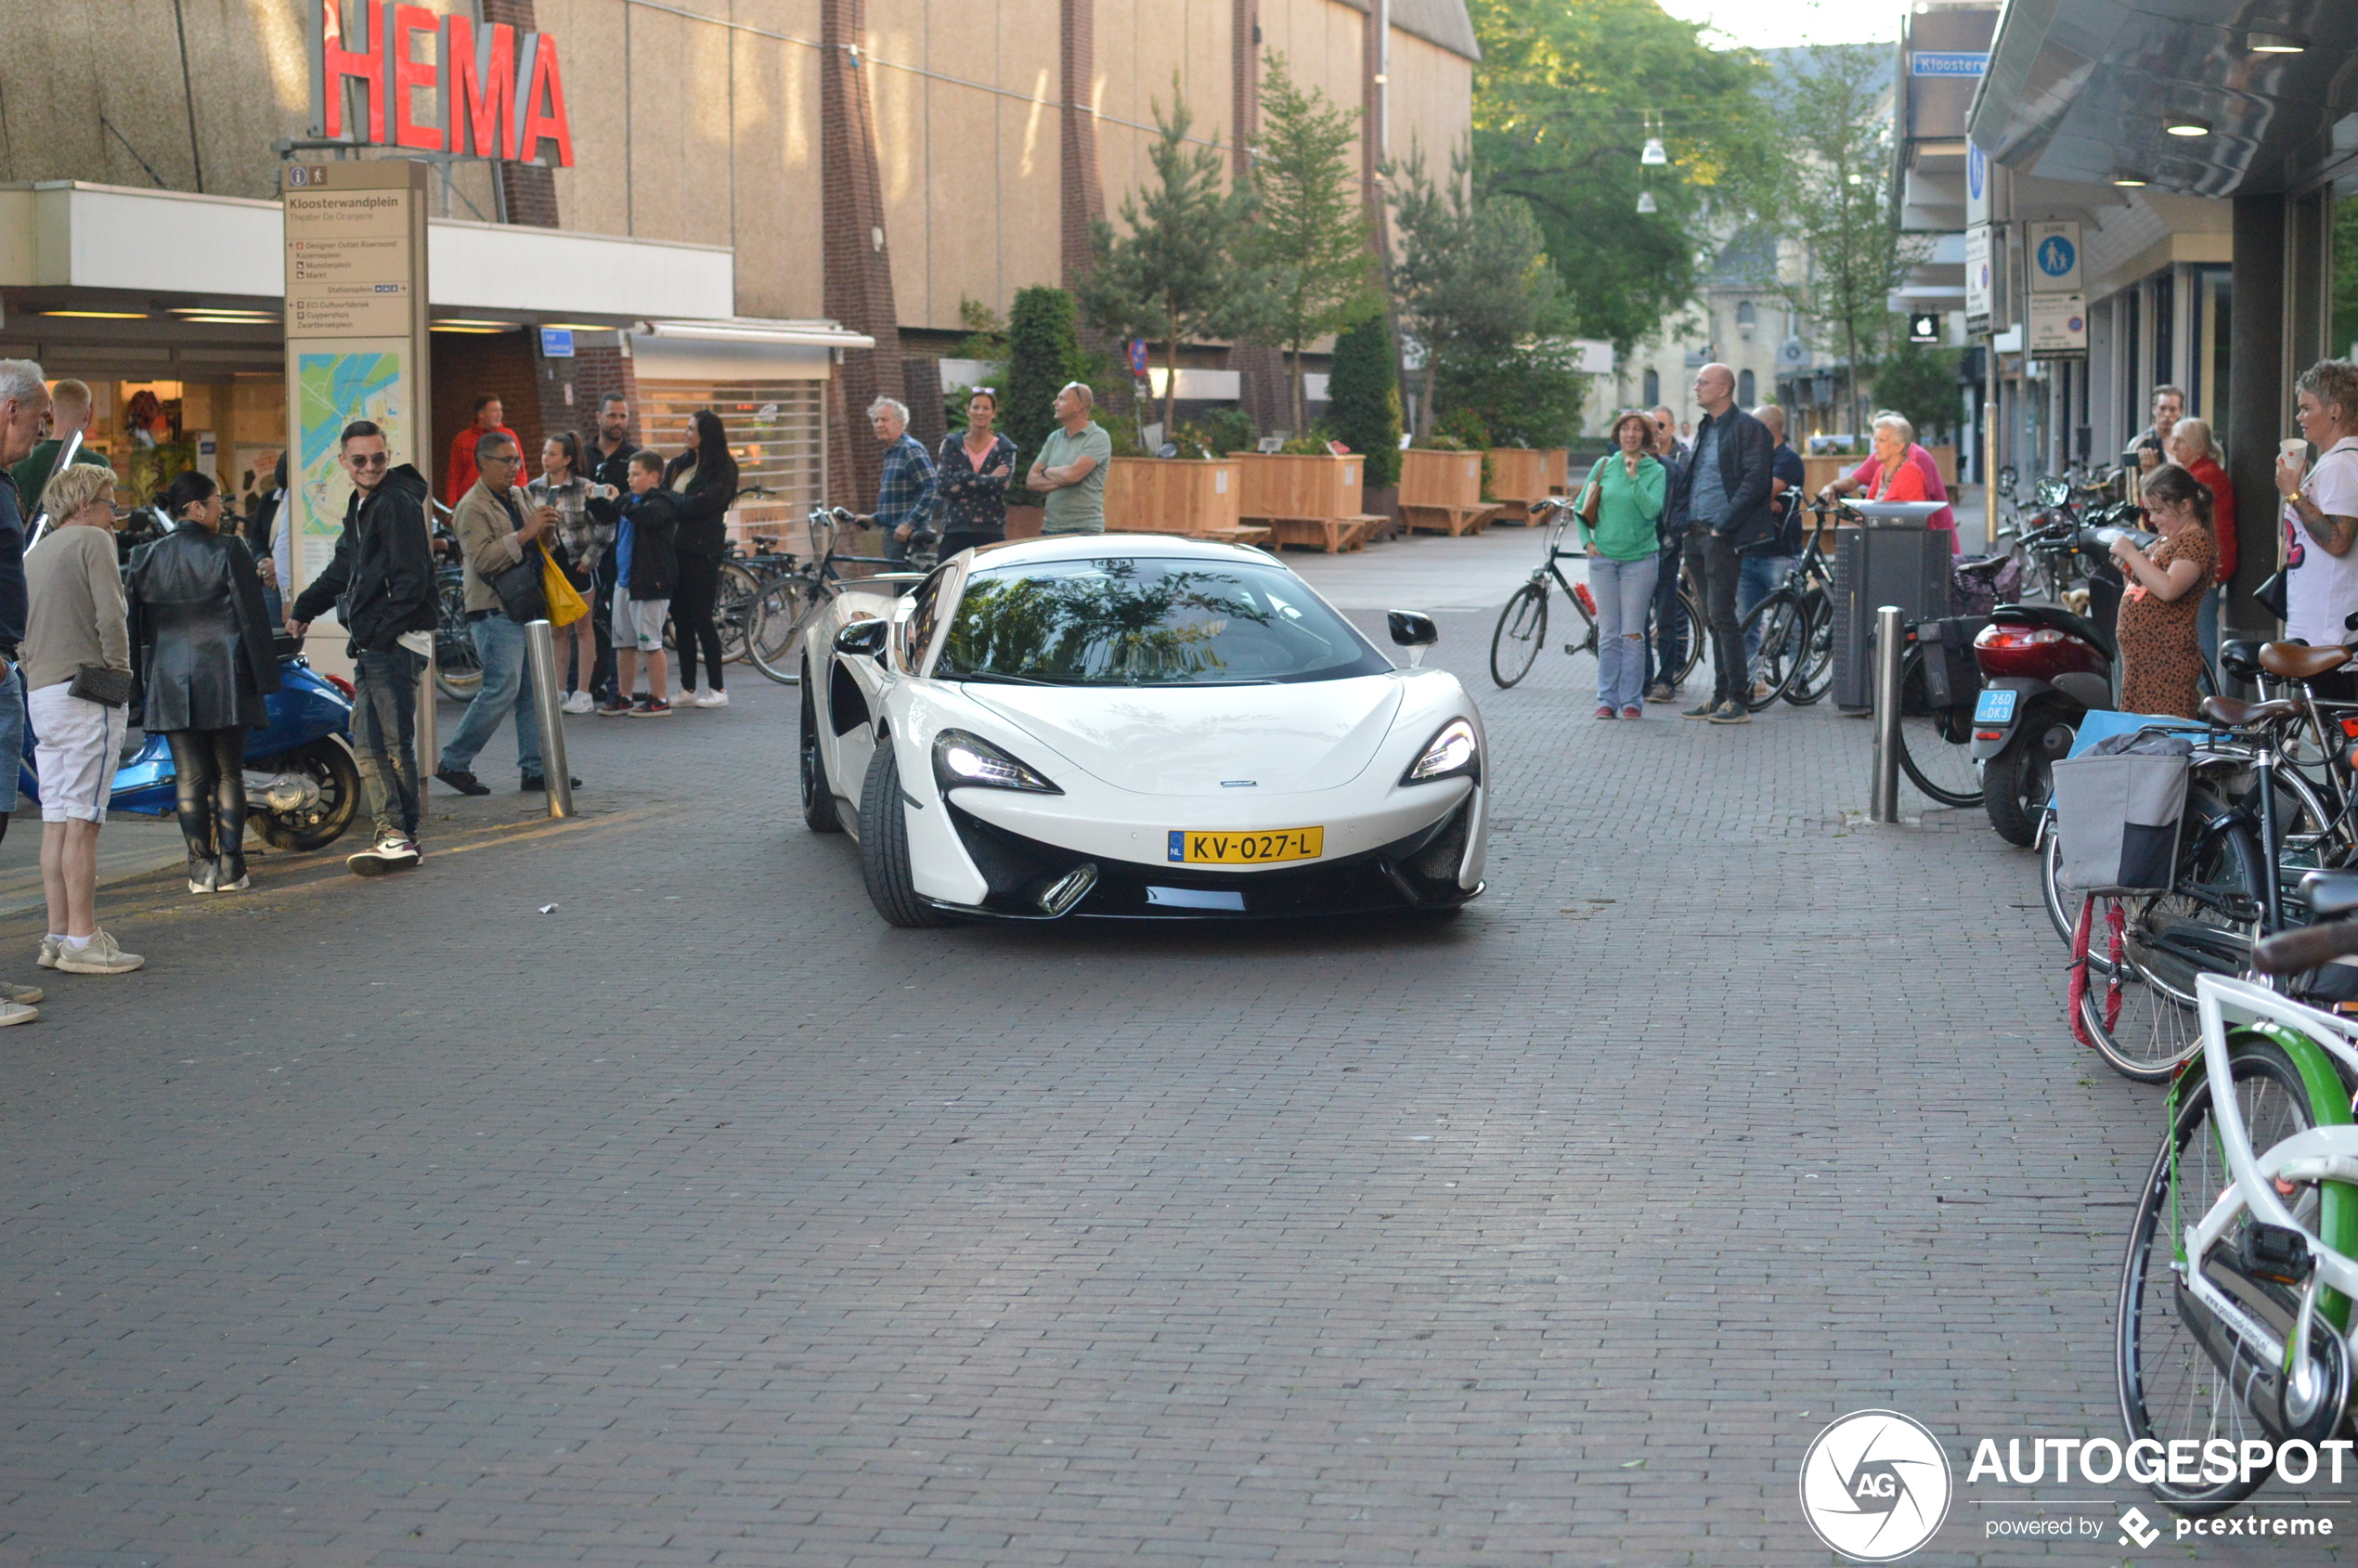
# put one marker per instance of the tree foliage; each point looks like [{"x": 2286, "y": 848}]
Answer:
[
  {"x": 1043, "y": 353},
  {"x": 1920, "y": 382},
  {"x": 1837, "y": 208},
  {"x": 1363, "y": 399},
  {"x": 1183, "y": 271},
  {"x": 1561, "y": 100},
  {"x": 1473, "y": 284},
  {"x": 1310, "y": 232}
]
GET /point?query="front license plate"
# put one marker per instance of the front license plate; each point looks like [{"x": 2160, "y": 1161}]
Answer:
[
  {"x": 1995, "y": 707},
  {"x": 1190, "y": 847}
]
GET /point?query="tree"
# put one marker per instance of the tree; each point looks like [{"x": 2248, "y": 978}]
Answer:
[
  {"x": 1043, "y": 353},
  {"x": 1562, "y": 101},
  {"x": 1920, "y": 382},
  {"x": 1309, "y": 235},
  {"x": 1837, "y": 211},
  {"x": 1474, "y": 284},
  {"x": 1363, "y": 399},
  {"x": 1180, "y": 274}
]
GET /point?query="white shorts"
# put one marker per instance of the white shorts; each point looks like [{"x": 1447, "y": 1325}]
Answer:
[
  {"x": 74, "y": 749},
  {"x": 638, "y": 623}
]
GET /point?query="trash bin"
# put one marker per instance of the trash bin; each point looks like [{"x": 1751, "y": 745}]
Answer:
[{"x": 1889, "y": 561}]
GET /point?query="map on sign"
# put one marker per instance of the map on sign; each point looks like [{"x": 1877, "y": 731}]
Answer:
[{"x": 332, "y": 390}]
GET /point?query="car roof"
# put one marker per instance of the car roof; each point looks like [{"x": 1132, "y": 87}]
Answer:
[{"x": 1097, "y": 547}]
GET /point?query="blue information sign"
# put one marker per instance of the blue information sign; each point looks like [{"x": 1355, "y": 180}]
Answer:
[
  {"x": 1927, "y": 62},
  {"x": 556, "y": 343}
]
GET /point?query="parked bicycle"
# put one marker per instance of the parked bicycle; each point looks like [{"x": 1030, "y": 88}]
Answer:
[
  {"x": 791, "y": 594},
  {"x": 1523, "y": 625}
]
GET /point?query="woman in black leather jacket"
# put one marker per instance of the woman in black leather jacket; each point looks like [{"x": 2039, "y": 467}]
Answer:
[
  {"x": 200, "y": 647},
  {"x": 705, "y": 479}
]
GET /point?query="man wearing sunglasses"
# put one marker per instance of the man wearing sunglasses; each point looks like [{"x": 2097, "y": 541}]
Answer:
[{"x": 382, "y": 585}]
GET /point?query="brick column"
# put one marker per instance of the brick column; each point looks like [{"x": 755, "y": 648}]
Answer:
[
  {"x": 1082, "y": 194},
  {"x": 858, "y": 256},
  {"x": 1261, "y": 369},
  {"x": 529, "y": 191}
]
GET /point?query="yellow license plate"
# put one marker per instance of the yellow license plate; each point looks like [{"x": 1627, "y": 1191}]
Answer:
[{"x": 1190, "y": 847}]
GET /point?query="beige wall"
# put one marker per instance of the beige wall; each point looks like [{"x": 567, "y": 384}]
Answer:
[{"x": 692, "y": 130}]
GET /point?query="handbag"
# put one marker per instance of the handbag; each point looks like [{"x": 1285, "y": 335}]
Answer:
[
  {"x": 97, "y": 684},
  {"x": 519, "y": 589},
  {"x": 566, "y": 604},
  {"x": 1595, "y": 494},
  {"x": 2270, "y": 596}
]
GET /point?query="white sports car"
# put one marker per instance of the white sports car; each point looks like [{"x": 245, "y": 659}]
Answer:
[{"x": 1135, "y": 725}]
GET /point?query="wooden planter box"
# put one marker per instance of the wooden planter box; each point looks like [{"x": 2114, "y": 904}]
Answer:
[
  {"x": 1309, "y": 485},
  {"x": 1520, "y": 473},
  {"x": 1818, "y": 472},
  {"x": 1441, "y": 492},
  {"x": 1558, "y": 463},
  {"x": 1175, "y": 496}
]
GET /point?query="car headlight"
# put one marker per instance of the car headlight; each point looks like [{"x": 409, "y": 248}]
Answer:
[
  {"x": 1453, "y": 754},
  {"x": 964, "y": 761}
]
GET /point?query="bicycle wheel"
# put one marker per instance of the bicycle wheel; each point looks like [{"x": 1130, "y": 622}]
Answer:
[
  {"x": 1778, "y": 632},
  {"x": 1817, "y": 675},
  {"x": 772, "y": 634},
  {"x": 2170, "y": 1389},
  {"x": 2205, "y": 925},
  {"x": 1935, "y": 748},
  {"x": 457, "y": 670},
  {"x": 1523, "y": 625},
  {"x": 732, "y": 609},
  {"x": 1691, "y": 654},
  {"x": 2062, "y": 910}
]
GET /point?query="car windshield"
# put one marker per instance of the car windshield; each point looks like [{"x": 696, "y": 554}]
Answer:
[{"x": 1133, "y": 622}]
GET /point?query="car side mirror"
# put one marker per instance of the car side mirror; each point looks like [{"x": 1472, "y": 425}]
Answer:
[
  {"x": 865, "y": 636},
  {"x": 1413, "y": 631}
]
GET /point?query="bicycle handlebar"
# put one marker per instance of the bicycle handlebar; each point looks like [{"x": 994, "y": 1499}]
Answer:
[{"x": 2289, "y": 952}]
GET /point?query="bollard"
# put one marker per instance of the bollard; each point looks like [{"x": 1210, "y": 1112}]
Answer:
[
  {"x": 425, "y": 732},
  {"x": 1891, "y": 637},
  {"x": 540, "y": 641}
]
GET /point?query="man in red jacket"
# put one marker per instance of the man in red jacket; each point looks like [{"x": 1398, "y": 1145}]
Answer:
[{"x": 462, "y": 470}]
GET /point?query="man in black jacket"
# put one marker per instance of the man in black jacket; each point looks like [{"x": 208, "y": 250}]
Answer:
[
  {"x": 1726, "y": 493},
  {"x": 382, "y": 584},
  {"x": 610, "y": 452}
]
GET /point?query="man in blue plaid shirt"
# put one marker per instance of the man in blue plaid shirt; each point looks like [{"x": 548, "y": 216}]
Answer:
[{"x": 905, "y": 496}]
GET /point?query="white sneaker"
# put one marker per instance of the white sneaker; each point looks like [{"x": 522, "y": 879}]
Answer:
[
  {"x": 50, "y": 947},
  {"x": 23, "y": 995},
  {"x": 17, "y": 1012},
  {"x": 387, "y": 855},
  {"x": 99, "y": 956},
  {"x": 713, "y": 699},
  {"x": 685, "y": 699},
  {"x": 579, "y": 702}
]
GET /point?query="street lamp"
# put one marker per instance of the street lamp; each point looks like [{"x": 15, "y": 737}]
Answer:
[
  {"x": 1645, "y": 203},
  {"x": 1653, "y": 156}
]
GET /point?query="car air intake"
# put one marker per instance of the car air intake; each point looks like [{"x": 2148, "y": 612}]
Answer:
[{"x": 1069, "y": 889}]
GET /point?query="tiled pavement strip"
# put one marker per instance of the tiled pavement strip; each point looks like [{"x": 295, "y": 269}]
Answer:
[{"x": 706, "y": 1219}]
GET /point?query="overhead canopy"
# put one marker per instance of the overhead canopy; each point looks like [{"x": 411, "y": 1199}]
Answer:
[{"x": 2079, "y": 90}]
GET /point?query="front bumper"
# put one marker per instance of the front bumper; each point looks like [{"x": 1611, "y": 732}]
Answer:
[{"x": 1416, "y": 872}]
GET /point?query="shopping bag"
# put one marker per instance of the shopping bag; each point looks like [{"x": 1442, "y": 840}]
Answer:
[{"x": 566, "y": 604}]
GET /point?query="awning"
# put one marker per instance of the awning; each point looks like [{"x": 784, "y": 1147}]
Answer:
[
  {"x": 754, "y": 329},
  {"x": 739, "y": 349}
]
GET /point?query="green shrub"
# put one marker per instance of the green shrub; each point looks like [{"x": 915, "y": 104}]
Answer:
[
  {"x": 1363, "y": 393},
  {"x": 1043, "y": 353}
]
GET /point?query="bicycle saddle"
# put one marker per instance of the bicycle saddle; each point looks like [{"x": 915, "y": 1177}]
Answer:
[
  {"x": 2330, "y": 892},
  {"x": 2236, "y": 714},
  {"x": 2239, "y": 659},
  {"x": 2297, "y": 661}
]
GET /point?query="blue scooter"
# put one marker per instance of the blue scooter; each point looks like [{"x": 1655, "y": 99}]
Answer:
[{"x": 301, "y": 779}]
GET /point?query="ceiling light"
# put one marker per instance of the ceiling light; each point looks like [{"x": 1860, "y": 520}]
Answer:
[
  {"x": 237, "y": 310},
  {"x": 466, "y": 331},
  {"x": 229, "y": 320},
  {"x": 1653, "y": 157},
  {"x": 1646, "y": 201},
  {"x": 583, "y": 326},
  {"x": 2186, "y": 125},
  {"x": 472, "y": 321},
  {"x": 2129, "y": 178},
  {"x": 2275, "y": 44},
  {"x": 101, "y": 315}
]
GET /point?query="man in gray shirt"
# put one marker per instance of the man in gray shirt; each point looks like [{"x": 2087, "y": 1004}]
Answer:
[{"x": 1071, "y": 466}]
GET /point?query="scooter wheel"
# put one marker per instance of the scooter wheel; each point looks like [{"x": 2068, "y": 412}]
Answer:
[{"x": 335, "y": 783}]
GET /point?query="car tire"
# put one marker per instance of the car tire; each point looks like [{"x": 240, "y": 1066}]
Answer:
[
  {"x": 884, "y": 845},
  {"x": 820, "y": 812}
]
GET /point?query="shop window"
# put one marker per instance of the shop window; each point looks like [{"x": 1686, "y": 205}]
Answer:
[
  {"x": 1653, "y": 388},
  {"x": 1745, "y": 385},
  {"x": 777, "y": 432}
]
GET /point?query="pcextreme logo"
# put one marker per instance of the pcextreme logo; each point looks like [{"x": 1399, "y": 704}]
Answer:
[{"x": 1875, "y": 1486}]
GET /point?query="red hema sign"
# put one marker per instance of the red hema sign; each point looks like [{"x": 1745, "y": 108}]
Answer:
[{"x": 493, "y": 92}]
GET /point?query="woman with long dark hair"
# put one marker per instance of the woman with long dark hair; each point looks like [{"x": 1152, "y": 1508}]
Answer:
[
  {"x": 561, "y": 487},
  {"x": 705, "y": 479},
  {"x": 201, "y": 648},
  {"x": 975, "y": 466}
]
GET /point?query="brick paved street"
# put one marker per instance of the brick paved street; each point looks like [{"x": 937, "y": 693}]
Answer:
[{"x": 705, "y": 1218}]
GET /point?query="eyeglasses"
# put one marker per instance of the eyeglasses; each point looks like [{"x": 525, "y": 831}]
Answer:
[
  {"x": 368, "y": 459},
  {"x": 507, "y": 459},
  {"x": 990, "y": 391}
]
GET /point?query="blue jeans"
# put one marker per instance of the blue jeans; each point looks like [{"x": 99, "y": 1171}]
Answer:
[
  {"x": 384, "y": 738},
  {"x": 12, "y": 735},
  {"x": 1757, "y": 576},
  {"x": 1667, "y": 649},
  {"x": 1624, "y": 590},
  {"x": 506, "y": 685}
]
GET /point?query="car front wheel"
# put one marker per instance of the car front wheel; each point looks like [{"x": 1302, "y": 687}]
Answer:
[{"x": 884, "y": 845}]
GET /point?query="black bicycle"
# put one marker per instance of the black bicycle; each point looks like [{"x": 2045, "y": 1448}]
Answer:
[
  {"x": 1523, "y": 625},
  {"x": 1794, "y": 657}
]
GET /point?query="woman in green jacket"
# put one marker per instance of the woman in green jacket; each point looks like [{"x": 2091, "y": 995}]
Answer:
[{"x": 1624, "y": 555}]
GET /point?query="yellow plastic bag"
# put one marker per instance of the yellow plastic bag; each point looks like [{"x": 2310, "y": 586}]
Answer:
[{"x": 566, "y": 604}]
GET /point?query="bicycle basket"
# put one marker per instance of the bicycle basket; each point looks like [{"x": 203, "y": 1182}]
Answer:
[{"x": 2117, "y": 820}]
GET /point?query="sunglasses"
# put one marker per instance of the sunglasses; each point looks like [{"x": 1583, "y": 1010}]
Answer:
[{"x": 368, "y": 460}]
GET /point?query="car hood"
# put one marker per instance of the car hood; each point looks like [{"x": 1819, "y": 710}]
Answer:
[{"x": 1179, "y": 740}]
